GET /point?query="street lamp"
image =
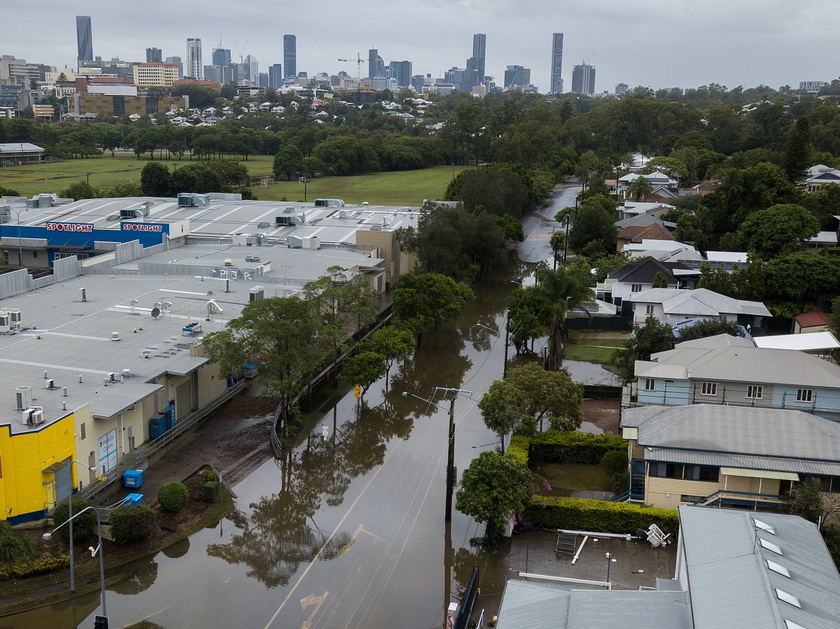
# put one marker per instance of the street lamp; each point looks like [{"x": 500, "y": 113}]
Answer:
[
  {"x": 70, "y": 520},
  {"x": 20, "y": 246},
  {"x": 48, "y": 536},
  {"x": 452, "y": 395}
]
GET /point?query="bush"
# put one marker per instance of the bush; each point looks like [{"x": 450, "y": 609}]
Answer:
[
  {"x": 615, "y": 464},
  {"x": 211, "y": 491},
  {"x": 130, "y": 523},
  {"x": 15, "y": 548},
  {"x": 556, "y": 446},
  {"x": 582, "y": 514},
  {"x": 83, "y": 525},
  {"x": 45, "y": 564},
  {"x": 173, "y": 496}
]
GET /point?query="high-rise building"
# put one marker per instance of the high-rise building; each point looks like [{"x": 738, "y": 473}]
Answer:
[
  {"x": 376, "y": 65},
  {"x": 462, "y": 79},
  {"x": 400, "y": 71},
  {"x": 154, "y": 55},
  {"x": 557, "y": 64},
  {"x": 290, "y": 55},
  {"x": 178, "y": 62},
  {"x": 621, "y": 88},
  {"x": 517, "y": 77},
  {"x": 275, "y": 76},
  {"x": 194, "y": 69},
  {"x": 477, "y": 61},
  {"x": 84, "y": 38},
  {"x": 221, "y": 57},
  {"x": 252, "y": 69},
  {"x": 583, "y": 79}
]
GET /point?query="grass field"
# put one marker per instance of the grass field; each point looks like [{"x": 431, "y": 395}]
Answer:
[
  {"x": 391, "y": 188},
  {"x": 564, "y": 478}
]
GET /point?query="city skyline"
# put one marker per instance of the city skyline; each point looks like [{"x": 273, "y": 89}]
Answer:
[{"x": 743, "y": 44}]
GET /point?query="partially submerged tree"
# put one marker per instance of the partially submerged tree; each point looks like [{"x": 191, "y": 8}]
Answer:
[{"x": 426, "y": 299}]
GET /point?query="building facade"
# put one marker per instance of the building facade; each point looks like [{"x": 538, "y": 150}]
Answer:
[
  {"x": 154, "y": 55},
  {"x": 557, "y": 63},
  {"x": 155, "y": 74},
  {"x": 84, "y": 39},
  {"x": 583, "y": 79},
  {"x": 290, "y": 56},
  {"x": 517, "y": 77},
  {"x": 376, "y": 65},
  {"x": 400, "y": 71},
  {"x": 479, "y": 56},
  {"x": 194, "y": 68}
]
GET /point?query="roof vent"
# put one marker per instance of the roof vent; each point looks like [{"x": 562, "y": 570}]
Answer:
[{"x": 115, "y": 336}]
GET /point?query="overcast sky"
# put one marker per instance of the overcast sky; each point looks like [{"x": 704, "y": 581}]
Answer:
[{"x": 638, "y": 42}]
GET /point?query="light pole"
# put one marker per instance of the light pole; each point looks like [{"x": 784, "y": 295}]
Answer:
[
  {"x": 609, "y": 565},
  {"x": 20, "y": 246},
  {"x": 70, "y": 521},
  {"x": 48, "y": 536},
  {"x": 451, "y": 395}
]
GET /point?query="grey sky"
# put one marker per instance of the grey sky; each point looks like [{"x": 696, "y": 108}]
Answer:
[{"x": 641, "y": 42}]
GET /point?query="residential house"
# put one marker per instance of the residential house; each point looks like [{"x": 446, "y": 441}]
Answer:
[
  {"x": 712, "y": 454},
  {"x": 730, "y": 370},
  {"x": 680, "y": 308},
  {"x": 663, "y": 186},
  {"x": 734, "y": 569},
  {"x": 666, "y": 251},
  {"x": 638, "y": 233},
  {"x": 636, "y": 277},
  {"x": 820, "y": 175},
  {"x": 811, "y": 321}
]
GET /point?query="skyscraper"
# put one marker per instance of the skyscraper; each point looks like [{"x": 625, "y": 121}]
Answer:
[
  {"x": 583, "y": 79},
  {"x": 221, "y": 57},
  {"x": 376, "y": 65},
  {"x": 290, "y": 55},
  {"x": 401, "y": 72},
  {"x": 477, "y": 62},
  {"x": 154, "y": 55},
  {"x": 275, "y": 76},
  {"x": 517, "y": 77},
  {"x": 557, "y": 64},
  {"x": 84, "y": 38},
  {"x": 251, "y": 69},
  {"x": 194, "y": 69},
  {"x": 178, "y": 62}
]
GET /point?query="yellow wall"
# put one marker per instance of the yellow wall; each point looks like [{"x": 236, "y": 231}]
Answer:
[
  {"x": 665, "y": 492},
  {"x": 26, "y": 490}
]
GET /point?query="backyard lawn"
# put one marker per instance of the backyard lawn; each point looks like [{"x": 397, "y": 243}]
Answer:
[{"x": 565, "y": 478}]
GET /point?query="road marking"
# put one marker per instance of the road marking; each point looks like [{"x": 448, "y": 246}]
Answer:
[
  {"x": 310, "y": 600},
  {"x": 323, "y": 546}
]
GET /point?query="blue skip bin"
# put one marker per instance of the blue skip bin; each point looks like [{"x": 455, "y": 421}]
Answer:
[
  {"x": 133, "y": 478},
  {"x": 133, "y": 499}
]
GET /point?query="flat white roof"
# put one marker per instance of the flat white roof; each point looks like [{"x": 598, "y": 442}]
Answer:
[{"x": 802, "y": 342}]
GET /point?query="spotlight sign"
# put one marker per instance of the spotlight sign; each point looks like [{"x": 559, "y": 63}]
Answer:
[{"x": 70, "y": 227}]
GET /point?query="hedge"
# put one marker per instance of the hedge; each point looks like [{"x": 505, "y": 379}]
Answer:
[
  {"x": 556, "y": 446},
  {"x": 36, "y": 566},
  {"x": 173, "y": 496},
  {"x": 518, "y": 450},
  {"x": 131, "y": 523},
  {"x": 582, "y": 514}
]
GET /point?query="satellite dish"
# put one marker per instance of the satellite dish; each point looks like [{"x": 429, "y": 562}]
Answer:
[{"x": 155, "y": 313}]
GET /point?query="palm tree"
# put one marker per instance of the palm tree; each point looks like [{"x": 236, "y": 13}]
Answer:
[
  {"x": 566, "y": 288},
  {"x": 640, "y": 188}
]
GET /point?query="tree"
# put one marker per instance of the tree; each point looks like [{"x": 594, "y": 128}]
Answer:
[
  {"x": 363, "y": 369},
  {"x": 659, "y": 280},
  {"x": 800, "y": 278},
  {"x": 805, "y": 500},
  {"x": 495, "y": 188},
  {"x": 287, "y": 162},
  {"x": 798, "y": 150},
  {"x": 392, "y": 343},
  {"x": 640, "y": 188},
  {"x": 530, "y": 314},
  {"x": 421, "y": 300},
  {"x": 566, "y": 288},
  {"x": 648, "y": 339},
  {"x": 778, "y": 230},
  {"x": 520, "y": 402},
  {"x": 593, "y": 230},
  {"x": 711, "y": 327},
  {"x": 79, "y": 190},
  {"x": 156, "y": 180},
  {"x": 494, "y": 489}
]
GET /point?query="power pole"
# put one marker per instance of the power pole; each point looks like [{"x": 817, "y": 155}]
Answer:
[{"x": 451, "y": 395}]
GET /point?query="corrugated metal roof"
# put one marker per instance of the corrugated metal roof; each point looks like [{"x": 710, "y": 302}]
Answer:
[
  {"x": 731, "y": 586},
  {"x": 700, "y": 301},
  {"x": 714, "y": 432},
  {"x": 533, "y": 605}
]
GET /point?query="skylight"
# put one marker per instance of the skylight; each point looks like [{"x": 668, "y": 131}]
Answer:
[
  {"x": 773, "y": 548},
  {"x": 764, "y": 526},
  {"x": 793, "y": 625},
  {"x": 790, "y": 599},
  {"x": 776, "y": 567}
]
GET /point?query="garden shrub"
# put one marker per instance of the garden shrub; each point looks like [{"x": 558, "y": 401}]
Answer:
[
  {"x": 83, "y": 525},
  {"x": 209, "y": 475},
  {"x": 583, "y": 514},
  {"x": 518, "y": 450},
  {"x": 173, "y": 496},
  {"x": 615, "y": 464},
  {"x": 211, "y": 491},
  {"x": 37, "y": 566},
  {"x": 555, "y": 446},
  {"x": 130, "y": 523},
  {"x": 15, "y": 548}
]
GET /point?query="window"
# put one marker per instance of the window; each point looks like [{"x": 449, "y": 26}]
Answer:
[
  {"x": 650, "y": 384},
  {"x": 691, "y": 499},
  {"x": 705, "y": 473},
  {"x": 649, "y": 309},
  {"x": 830, "y": 484},
  {"x": 635, "y": 288},
  {"x": 788, "y": 598},
  {"x": 778, "y": 568},
  {"x": 754, "y": 392},
  {"x": 804, "y": 395},
  {"x": 82, "y": 428},
  {"x": 708, "y": 388},
  {"x": 773, "y": 548}
]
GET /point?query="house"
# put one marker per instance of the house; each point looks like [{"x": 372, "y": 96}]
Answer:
[
  {"x": 638, "y": 233},
  {"x": 820, "y": 175},
  {"x": 730, "y": 370},
  {"x": 665, "y": 251},
  {"x": 643, "y": 220},
  {"x": 636, "y": 277},
  {"x": 734, "y": 569},
  {"x": 661, "y": 185},
  {"x": 811, "y": 321},
  {"x": 637, "y": 208},
  {"x": 717, "y": 455},
  {"x": 727, "y": 260},
  {"x": 679, "y": 308}
]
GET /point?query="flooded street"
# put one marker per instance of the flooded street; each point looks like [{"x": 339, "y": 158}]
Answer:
[{"x": 348, "y": 529}]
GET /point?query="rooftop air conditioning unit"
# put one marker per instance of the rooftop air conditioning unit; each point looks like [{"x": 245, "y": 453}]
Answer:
[
  {"x": 256, "y": 293},
  {"x": 17, "y": 318},
  {"x": 33, "y": 416},
  {"x": 111, "y": 377},
  {"x": 23, "y": 398},
  {"x": 5, "y": 322}
]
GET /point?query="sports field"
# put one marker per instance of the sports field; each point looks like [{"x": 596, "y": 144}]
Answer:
[{"x": 388, "y": 188}]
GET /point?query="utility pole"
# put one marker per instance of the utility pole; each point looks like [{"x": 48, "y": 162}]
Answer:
[{"x": 451, "y": 395}]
